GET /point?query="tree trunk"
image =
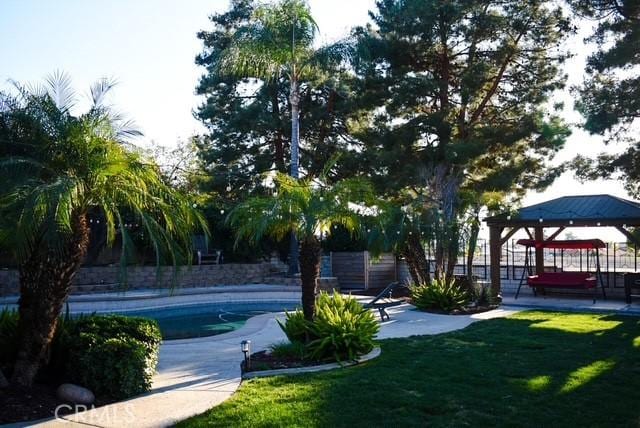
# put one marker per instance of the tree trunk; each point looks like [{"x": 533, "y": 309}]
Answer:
[
  {"x": 310, "y": 251},
  {"x": 278, "y": 142},
  {"x": 45, "y": 281},
  {"x": 294, "y": 100},
  {"x": 416, "y": 260},
  {"x": 471, "y": 247}
]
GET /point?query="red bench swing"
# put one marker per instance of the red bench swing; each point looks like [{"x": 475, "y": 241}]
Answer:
[{"x": 570, "y": 280}]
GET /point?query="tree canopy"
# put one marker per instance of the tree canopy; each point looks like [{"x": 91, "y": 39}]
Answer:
[
  {"x": 609, "y": 98},
  {"x": 458, "y": 96}
]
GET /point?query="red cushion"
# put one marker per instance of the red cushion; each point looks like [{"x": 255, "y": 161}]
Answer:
[{"x": 563, "y": 280}]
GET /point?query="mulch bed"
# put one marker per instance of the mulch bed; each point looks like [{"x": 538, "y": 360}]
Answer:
[
  {"x": 263, "y": 360},
  {"x": 464, "y": 311},
  {"x": 21, "y": 405},
  {"x": 28, "y": 404}
]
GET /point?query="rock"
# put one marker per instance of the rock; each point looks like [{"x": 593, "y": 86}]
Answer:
[{"x": 75, "y": 394}]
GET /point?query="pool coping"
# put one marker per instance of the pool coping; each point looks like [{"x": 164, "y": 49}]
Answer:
[
  {"x": 134, "y": 294},
  {"x": 375, "y": 353}
]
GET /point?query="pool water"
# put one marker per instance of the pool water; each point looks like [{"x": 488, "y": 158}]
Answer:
[{"x": 207, "y": 319}]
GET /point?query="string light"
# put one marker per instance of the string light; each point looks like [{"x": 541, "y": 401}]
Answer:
[
  {"x": 570, "y": 221},
  {"x": 540, "y": 220}
]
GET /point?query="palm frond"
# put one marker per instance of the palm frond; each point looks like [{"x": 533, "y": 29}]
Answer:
[{"x": 60, "y": 89}]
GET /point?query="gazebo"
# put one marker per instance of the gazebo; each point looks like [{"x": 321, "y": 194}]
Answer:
[{"x": 560, "y": 213}]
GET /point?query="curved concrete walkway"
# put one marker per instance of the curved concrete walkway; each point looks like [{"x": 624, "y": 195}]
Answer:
[{"x": 197, "y": 374}]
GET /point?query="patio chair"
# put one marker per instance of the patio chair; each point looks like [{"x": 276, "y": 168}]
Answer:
[
  {"x": 203, "y": 255},
  {"x": 383, "y": 300}
]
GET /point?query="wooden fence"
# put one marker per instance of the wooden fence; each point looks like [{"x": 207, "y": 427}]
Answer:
[{"x": 360, "y": 270}]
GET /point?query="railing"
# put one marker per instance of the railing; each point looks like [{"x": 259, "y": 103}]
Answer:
[{"x": 616, "y": 259}]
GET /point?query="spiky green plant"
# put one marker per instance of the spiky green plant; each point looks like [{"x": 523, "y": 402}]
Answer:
[
  {"x": 56, "y": 168},
  {"x": 342, "y": 327},
  {"x": 441, "y": 294}
]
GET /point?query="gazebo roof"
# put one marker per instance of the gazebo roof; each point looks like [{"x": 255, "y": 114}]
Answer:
[{"x": 586, "y": 210}]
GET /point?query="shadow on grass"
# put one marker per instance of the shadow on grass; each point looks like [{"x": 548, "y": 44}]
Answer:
[{"x": 533, "y": 369}]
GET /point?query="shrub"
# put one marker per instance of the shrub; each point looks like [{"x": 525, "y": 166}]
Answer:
[
  {"x": 439, "y": 294},
  {"x": 342, "y": 327},
  {"x": 112, "y": 355},
  {"x": 289, "y": 350},
  {"x": 295, "y": 327}
]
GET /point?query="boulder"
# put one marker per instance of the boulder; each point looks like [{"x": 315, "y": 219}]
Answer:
[{"x": 71, "y": 393}]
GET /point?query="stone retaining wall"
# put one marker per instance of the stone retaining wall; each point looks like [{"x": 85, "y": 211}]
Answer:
[{"x": 108, "y": 278}]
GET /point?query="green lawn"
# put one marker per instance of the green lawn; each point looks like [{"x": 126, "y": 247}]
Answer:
[{"x": 532, "y": 369}]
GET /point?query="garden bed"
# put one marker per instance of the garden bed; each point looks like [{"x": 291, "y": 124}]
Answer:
[
  {"x": 470, "y": 310},
  {"x": 269, "y": 365},
  {"x": 30, "y": 404},
  {"x": 265, "y": 360}
]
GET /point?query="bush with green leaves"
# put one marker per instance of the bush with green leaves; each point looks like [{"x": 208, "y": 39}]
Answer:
[
  {"x": 342, "y": 329},
  {"x": 295, "y": 326},
  {"x": 289, "y": 350},
  {"x": 112, "y": 355},
  {"x": 439, "y": 294}
]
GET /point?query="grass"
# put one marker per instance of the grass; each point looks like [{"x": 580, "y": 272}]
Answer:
[{"x": 532, "y": 369}]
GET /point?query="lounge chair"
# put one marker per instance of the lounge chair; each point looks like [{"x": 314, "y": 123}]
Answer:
[{"x": 382, "y": 301}]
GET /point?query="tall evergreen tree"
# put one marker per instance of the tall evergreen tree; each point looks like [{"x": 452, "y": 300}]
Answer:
[
  {"x": 609, "y": 98},
  {"x": 248, "y": 94},
  {"x": 453, "y": 84}
]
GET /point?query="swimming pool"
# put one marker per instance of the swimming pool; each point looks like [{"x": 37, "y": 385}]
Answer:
[{"x": 201, "y": 320}]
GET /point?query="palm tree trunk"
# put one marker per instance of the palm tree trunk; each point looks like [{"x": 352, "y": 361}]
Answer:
[
  {"x": 45, "y": 281},
  {"x": 310, "y": 251},
  {"x": 294, "y": 100}
]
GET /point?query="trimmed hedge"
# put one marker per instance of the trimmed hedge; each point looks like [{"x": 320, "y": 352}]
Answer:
[{"x": 115, "y": 356}]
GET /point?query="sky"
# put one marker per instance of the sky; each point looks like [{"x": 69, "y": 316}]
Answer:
[{"x": 149, "y": 47}]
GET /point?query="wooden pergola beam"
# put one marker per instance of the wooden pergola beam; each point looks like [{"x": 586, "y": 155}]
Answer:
[
  {"x": 509, "y": 234},
  {"x": 555, "y": 234}
]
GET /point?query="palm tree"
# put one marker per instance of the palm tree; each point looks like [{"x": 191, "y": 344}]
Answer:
[
  {"x": 277, "y": 43},
  {"x": 308, "y": 208},
  {"x": 57, "y": 169}
]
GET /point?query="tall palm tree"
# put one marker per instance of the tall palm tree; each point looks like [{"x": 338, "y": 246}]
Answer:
[
  {"x": 57, "y": 168},
  {"x": 308, "y": 208},
  {"x": 278, "y": 43}
]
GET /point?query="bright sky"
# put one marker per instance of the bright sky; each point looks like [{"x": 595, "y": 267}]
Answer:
[{"x": 149, "y": 47}]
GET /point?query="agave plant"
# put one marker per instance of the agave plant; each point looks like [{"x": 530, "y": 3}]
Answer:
[
  {"x": 57, "y": 168},
  {"x": 307, "y": 208}
]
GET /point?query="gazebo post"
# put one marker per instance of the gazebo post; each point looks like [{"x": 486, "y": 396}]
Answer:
[
  {"x": 539, "y": 237},
  {"x": 495, "y": 245}
]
